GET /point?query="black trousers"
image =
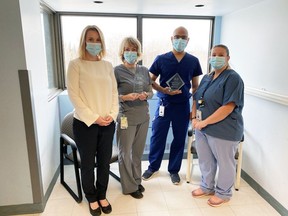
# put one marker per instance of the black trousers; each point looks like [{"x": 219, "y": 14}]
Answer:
[{"x": 95, "y": 145}]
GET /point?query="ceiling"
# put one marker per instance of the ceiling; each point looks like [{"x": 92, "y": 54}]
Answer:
[{"x": 162, "y": 7}]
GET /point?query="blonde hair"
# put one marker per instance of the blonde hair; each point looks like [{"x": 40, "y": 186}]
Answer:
[
  {"x": 82, "y": 44},
  {"x": 132, "y": 42}
]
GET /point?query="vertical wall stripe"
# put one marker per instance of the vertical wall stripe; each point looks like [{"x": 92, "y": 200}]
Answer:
[
  {"x": 217, "y": 30},
  {"x": 31, "y": 136}
]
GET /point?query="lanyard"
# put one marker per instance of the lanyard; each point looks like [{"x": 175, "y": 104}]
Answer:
[
  {"x": 208, "y": 85},
  {"x": 211, "y": 81}
]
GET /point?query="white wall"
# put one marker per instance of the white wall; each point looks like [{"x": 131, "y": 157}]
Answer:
[
  {"x": 22, "y": 48},
  {"x": 46, "y": 112},
  {"x": 13, "y": 154},
  {"x": 257, "y": 38}
]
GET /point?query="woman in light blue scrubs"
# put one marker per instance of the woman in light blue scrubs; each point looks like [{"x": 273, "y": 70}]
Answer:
[{"x": 218, "y": 123}]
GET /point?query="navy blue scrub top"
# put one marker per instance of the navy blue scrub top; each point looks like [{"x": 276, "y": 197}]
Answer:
[{"x": 166, "y": 65}]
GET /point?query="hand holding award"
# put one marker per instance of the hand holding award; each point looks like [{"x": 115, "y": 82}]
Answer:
[{"x": 174, "y": 83}]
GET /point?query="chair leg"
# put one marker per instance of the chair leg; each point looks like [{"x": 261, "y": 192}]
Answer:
[
  {"x": 77, "y": 174},
  {"x": 114, "y": 176},
  {"x": 192, "y": 165},
  {"x": 77, "y": 197},
  {"x": 239, "y": 167},
  {"x": 188, "y": 171},
  {"x": 61, "y": 160}
]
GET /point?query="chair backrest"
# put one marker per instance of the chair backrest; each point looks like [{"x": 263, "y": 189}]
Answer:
[
  {"x": 67, "y": 128},
  {"x": 67, "y": 125}
]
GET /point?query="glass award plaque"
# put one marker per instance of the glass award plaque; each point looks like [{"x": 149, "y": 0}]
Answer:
[
  {"x": 138, "y": 83},
  {"x": 175, "y": 82}
]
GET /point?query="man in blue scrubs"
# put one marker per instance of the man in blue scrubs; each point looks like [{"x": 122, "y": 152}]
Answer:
[{"x": 176, "y": 71}]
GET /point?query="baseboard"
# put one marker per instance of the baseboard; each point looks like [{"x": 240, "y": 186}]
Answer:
[
  {"x": 264, "y": 194},
  {"x": 21, "y": 209},
  {"x": 52, "y": 184},
  {"x": 165, "y": 156},
  {"x": 33, "y": 208}
]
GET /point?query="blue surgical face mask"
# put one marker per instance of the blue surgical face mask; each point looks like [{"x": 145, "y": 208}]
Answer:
[
  {"x": 130, "y": 57},
  {"x": 179, "y": 44},
  {"x": 93, "y": 48},
  {"x": 217, "y": 62}
]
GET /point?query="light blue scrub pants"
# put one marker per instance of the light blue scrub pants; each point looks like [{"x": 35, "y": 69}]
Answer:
[{"x": 212, "y": 153}]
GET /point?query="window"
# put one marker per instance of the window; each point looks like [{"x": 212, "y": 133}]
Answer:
[
  {"x": 49, "y": 46},
  {"x": 113, "y": 28},
  {"x": 156, "y": 42},
  {"x": 154, "y": 33}
]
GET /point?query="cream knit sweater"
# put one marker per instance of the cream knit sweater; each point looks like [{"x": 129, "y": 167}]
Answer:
[{"x": 92, "y": 89}]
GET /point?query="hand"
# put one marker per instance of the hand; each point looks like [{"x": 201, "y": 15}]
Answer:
[
  {"x": 131, "y": 97},
  {"x": 143, "y": 96},
  {"x": 104, "y": 121},
  {"x": 198, "y": 124},
  {"x": 109, "y": 119},
  {"x": 169, "y": 91},
  {"x": 194, "y": 121}
]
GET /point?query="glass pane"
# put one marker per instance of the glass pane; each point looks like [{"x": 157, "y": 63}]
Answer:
[
  {"x": 113, "y": 28},
  {"x": 49, "y": 47},
  {"x": 157, "y": 34}
]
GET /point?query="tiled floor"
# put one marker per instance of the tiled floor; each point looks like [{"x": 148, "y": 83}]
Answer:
[{"x": 161, "y": 198}]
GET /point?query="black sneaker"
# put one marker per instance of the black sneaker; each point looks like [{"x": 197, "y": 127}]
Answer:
[
  {"x": 175, "y": 178},
  {"x": 148, "y": 174},
  {"x": 137, "y": 194},
  {"x": 141, "y": 188}
]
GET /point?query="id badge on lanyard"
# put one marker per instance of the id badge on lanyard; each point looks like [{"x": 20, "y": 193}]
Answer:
[
  {"x": 161, "y": 109},
  {"x": 199, "y": 115},
  {"x": 123, "y": 122}
]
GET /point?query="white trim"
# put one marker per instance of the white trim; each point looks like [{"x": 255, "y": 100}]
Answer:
[{"x": 260, "y": 93}]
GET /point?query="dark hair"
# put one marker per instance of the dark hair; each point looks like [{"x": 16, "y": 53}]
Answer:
[{"x": 222, "y": 46}]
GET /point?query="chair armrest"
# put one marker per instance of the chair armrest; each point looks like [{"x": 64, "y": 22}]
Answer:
[{"x": 69, "y": 140}]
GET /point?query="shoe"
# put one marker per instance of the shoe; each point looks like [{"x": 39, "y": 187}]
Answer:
[
  {"x": 148, "y": 174},
  {"x": 215, "y": 201},
  {"x": 106, "y": 209},
  {"x": 175, "y": 178},
  {"x": 95, "y": 212},
  {"x": 141, "y": 188},
  {"x": 200, "y": 193},
  {"x": 137, "y": 194}
]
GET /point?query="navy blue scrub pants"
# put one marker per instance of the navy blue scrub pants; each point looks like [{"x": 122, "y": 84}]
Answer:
[
  {"x": 94, "y": 142},
  {"x": 176, "y": 114}
]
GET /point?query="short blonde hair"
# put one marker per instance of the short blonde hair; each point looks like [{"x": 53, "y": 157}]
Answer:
[
  {"x": 132, "y": 42},
  {"x": 82, "y": 44}
]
